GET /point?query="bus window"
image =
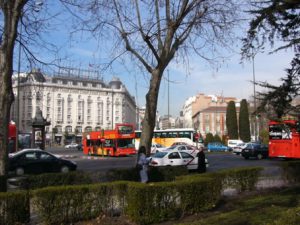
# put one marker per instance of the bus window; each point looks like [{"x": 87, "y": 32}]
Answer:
[
  {"x": 125, "y": 143},
  {"x": 108, "y": 143},
  {"x": 138, "y": 134},
  {"x": 157, "y": 134},
  {"x": 164, "y": 135}
]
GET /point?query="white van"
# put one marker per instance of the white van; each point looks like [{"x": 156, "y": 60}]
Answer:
[{"x": 232, "y": 143}]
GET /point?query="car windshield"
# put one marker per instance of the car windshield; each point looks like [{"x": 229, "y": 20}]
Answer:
[
  {"x": 172, "y": 147},
  {"x": 159, "y": 154}
]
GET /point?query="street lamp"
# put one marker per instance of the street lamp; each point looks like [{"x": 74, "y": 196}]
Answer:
[{"x": 254, "y": 99}]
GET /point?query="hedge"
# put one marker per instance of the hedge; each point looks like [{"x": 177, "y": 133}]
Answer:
[
  {"x": 291, "y": 171},
  {"x": 14, "y": 208},
  {"x": 69, "y": 204},
  {"x": 142, "y": 203},
  {"x": 30, "y": 182}
]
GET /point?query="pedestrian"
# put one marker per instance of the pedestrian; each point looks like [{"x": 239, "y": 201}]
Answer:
[
  {"x": 201, "y": 162},
  {"x": 142, "y": 164}
]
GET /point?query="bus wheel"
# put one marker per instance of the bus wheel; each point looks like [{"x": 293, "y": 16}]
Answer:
[
  {"x": 19, "y": 171},
  {"x": 259, "y": 156}
]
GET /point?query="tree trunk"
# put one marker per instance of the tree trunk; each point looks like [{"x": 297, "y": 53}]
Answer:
[
  {"x": 149, "y": 121},
  {"x": 11, "y": 11}
]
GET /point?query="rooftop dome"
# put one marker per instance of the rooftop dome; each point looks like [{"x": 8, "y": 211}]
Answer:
[
  {"x": 115, "y": 83},
  {"x": 36, "y": 75}
]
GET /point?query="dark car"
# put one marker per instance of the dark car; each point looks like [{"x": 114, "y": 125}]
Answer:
[
  {"x": 258, "y": 151},
  {"x": 36, "y": 161}
]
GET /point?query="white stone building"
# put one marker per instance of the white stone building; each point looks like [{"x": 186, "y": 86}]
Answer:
[{"x": 74, "y": 101}]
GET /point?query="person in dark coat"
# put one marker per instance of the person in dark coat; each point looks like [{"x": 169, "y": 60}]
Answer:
[{"x": 201, "y": 162}]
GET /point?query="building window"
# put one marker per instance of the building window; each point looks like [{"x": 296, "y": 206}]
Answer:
[{"x": 80, "y": 109}]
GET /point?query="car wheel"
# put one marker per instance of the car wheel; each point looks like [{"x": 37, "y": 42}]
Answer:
[
  {"x": 246, "y": 157},
  {"x": 65, "y": 169},
  {"x": 19, "y": 171},
  {"x": 259, "y": 156}
]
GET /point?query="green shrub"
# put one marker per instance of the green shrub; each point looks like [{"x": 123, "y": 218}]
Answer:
[
  {"x": 157, "y": 202},
  {"x": 169, "y": 173},
  {"x": 241, "y": 179},
  {"x": 69, "y": 204},
  {"x": 55, "y": 179},
  {"x": 155, "y": 174},
  {"x": 14, "y": 208},
  {"x": 291, "y": 171},
  {"x": 289, "y": 217}
]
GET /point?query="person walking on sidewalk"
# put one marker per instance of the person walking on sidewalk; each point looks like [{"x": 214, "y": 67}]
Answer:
[{"x": 142, "y": 164}]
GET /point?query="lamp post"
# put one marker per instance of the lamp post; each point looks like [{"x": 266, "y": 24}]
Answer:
[{"x": 254, "y": 99}]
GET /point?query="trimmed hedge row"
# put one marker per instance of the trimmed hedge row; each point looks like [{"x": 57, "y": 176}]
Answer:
[
  {"x": 56, "y": 179},
  {"x": 142, "y": 203},
  {"x": 14, "y": 208},
  {"x": 68, "y": 204},
  {"x": 291, "y": 171}
]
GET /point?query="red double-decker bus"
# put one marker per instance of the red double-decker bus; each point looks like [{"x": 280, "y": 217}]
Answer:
[
  {"x": 284, "y": 139},
  {"x": 117, "y": 142}
]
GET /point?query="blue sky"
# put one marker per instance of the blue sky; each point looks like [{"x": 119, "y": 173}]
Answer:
[{"x": 232, "y": 79}]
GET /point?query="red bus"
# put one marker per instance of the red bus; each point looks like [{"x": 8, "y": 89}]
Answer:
[
  {"x": 117, "y": 142},
  {"x": 284, "y": 139}
]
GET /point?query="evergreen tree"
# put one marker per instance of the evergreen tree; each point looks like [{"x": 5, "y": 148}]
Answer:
[
  {"x": 217, "y": 138},
  {"x": 209, "y": 138},
  {"x": 276, "y": 21},
  {"x": 244, "y": 124},
  {"x": 231, "y": 121}
]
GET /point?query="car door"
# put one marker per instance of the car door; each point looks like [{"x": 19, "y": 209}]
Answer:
[
  {"x": 30, "y": 162},
  {"x": 188, "y": 160},
  {"x": 174, "y": 159},
  {"x": 49, "y": 163}
]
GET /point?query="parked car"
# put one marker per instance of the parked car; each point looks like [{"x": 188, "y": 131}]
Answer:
[
  {"x": 217, "y": 146},
  {"x": 80, "y": 147},
  {"x": 157, "y": 148},
  {"x": 36, "y": 161},
  {"x": 238, "y": 148},
  {"x": 233, "y": 143},
  {"x": 175, "y": 158},
  {"x": 71, "y": 145},
  {"x": 185, "y": 148},
  {"x": 258, "y": 151}
]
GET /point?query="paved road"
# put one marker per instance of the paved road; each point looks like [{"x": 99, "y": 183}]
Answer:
[{"x": 217, "y": 161}]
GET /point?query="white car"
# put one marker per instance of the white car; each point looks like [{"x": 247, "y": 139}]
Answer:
[
  {"x": 72, "y": 145},
  {"x": 157, "y": 148},
  {"x": 175, "y": 158},
  {"x": 185, "y": 148},
  {"x": 238, "y": 148}
]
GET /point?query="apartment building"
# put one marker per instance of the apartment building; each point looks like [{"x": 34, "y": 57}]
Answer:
[
  {"x": 207, "y": 113},
  {"x": 73, "y": 101}
]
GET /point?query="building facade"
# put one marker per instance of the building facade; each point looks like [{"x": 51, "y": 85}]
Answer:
[
  {"x": 207, "y": 113},
  {"x": 73, "y": 101}
]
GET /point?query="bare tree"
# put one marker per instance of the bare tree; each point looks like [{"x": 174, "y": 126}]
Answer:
[
  {"x": 155, "y": 32},
  {"x": 15, "y": 14},
  {"x": 11, "y": 13}
]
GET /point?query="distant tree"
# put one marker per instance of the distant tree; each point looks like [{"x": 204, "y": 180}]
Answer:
[
  {"x": 276, "y": 21},
  {"x": 217, "y": 138},
  {"x": 209, "y": 138},
  {"x": 231, "y": 121},
  {"x": 244, "y": 123}
]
